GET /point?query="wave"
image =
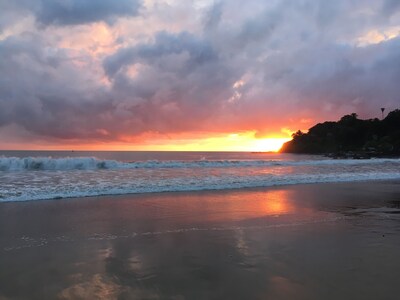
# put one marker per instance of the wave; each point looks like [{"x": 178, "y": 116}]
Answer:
[
  {"x": 55, "y": 164},
  {"x": 92, "y": 163}
]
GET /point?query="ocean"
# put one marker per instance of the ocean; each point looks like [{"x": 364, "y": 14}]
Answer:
[
  {"x": 227, "y": 238},
  {"x": 40, "y": 175}
]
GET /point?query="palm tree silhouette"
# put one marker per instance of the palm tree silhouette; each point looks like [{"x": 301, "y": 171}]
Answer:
[{"x": 382, "y": 109}]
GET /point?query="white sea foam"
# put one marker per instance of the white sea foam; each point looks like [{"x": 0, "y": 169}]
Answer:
[
  {"x": 91, "y": 163},
  {"x": 102, "y": 187},
  {"x": 61, "y": 164},
  {"x": 36, "y": 178}
]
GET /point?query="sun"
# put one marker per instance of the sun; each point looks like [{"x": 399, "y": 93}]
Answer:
[{"x": 269, "y": 144}]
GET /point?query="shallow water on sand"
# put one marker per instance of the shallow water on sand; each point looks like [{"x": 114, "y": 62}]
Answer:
[{"x": 332, "y": 241}]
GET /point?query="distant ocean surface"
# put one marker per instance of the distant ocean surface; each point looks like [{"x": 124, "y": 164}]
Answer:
[{"x": 36, "y": 175}]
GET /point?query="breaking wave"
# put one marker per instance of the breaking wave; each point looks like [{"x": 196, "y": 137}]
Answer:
[
  {"x": 36, "y": 178},
  {"x": 13, "y": 164}
]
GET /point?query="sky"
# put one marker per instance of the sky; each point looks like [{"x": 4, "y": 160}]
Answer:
[{"x": 190, "y": 75}]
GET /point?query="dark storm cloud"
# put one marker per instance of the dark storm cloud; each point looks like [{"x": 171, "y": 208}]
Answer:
[
  {"x": 257, "y": 66},
  {"x": 199, "y": 51},
  {"x": 180, "y": 82},
  {"x": 67, "y": 12},
  {"x": 42, "y": 93},
  {"x": 47, "y": 96},
  {"x": 391, "y": 6},
  {"x": 304, "y": 55},
  {"x": 73, "y": 12},
  {"x": 342, "y": 78},
  {"x": 213, "y": 16}
]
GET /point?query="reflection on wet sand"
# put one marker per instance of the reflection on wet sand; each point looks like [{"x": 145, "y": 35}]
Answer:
[
  {"x": 278, "y": 202},
  {"x": 282, "y": 243},
  {"x": 96, "y": 287},
  {"x": 284, "y": 288}
]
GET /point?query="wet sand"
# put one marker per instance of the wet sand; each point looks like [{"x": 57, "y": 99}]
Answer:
[{"x": 321, "y": 241}]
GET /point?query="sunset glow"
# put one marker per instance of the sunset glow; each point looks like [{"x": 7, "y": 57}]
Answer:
[{"x": 224, "y": 142}]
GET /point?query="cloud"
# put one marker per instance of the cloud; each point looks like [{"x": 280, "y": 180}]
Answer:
[
  {"x": 199, "y": 52},
  {"x": 43, "y": 92},
  {"x": 11, "y": 12},
  {"x": 179, "y": 81},
  {"x": 213, "y": 16},
  {"x": 70, "y": 12},
  {"x": 391, "y": 7},
  {"x": 258, "y": 67},
  {"x": 73, "y": 12}
]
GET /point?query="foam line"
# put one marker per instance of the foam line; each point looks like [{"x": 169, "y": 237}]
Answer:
[{"x": 12, "y": 164}]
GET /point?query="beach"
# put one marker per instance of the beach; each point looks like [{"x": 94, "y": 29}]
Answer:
[
  {"x": 315, "y": 241},
  {"x": 190, "y": 150}
]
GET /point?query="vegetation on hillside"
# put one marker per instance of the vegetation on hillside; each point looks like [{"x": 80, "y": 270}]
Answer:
[{"x": 350, "y": 136}]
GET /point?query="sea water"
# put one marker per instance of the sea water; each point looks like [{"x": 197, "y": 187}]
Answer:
[{"x": 37, "y": 175}]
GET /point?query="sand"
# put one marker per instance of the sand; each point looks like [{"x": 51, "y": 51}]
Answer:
[{"x": 321, "y": 241}]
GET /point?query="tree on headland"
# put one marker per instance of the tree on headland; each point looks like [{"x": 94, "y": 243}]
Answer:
[
  {"x": 373, "y": 137},
  {"x": 298, "y": 133}
]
